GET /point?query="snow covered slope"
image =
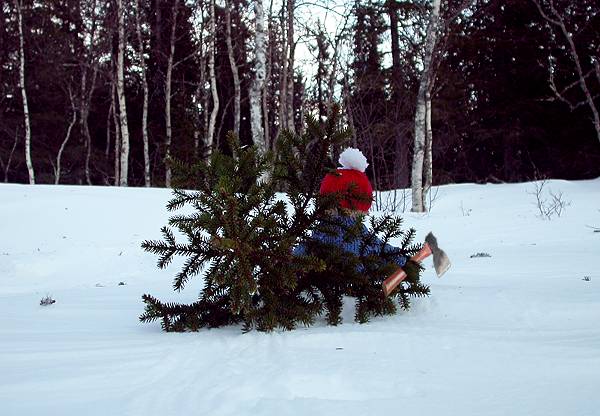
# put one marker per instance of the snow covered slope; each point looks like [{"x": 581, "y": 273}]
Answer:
[{"x": 517, "y": 333}]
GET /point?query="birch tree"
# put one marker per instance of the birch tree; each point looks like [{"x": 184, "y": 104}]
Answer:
[
  {"x": 290, "y": 66},
  {"x": 423, "y": 102},
  {"x": 428, "y": 159},
  {"x": 124, "y": 154},
  {"x": 143, "y": 70},
  {"x": 392, "y": 10},
  {"x": 283, "y": 73},
  {"x": 18, "y": 7},
  {"x": 168, "y": 94},
  {"x": 269, "y": 70},
  {"x": 234, "y": 69},
  {"x": 258, "y": 83},
  {"x": 213, "y": 78},
  {"x": 116, "y": 122}
]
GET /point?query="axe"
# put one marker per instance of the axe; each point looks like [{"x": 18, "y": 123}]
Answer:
[{"x": 441, "y": 263}]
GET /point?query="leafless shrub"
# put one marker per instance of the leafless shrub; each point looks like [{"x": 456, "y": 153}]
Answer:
[
  {"x": 480, "y": 255},
  {"x": 466, "y": 212},
  {"x": 47, "y": 301},
  {"x": 392, "y": 201},
  {"x": 549, "y": 204},
  {"x": 432, "y": 196}
]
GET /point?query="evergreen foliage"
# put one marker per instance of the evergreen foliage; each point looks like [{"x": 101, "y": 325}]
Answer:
[{"x": 241, "y": 235}]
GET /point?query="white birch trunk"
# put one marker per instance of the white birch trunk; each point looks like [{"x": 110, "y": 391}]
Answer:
[
  {"x": 124, "y": 155},
  {"x": 142, "y": 63},
  {"x": 269, "y": 68},
  {"x": 168, "y": 89},
  {"x": 258, "y": 83},
  {"x": 28, "y": 160},
  {"x": 63, "y": 145},
  {"x": 201, "y": 93},
  {"x": 205, "y": 102},
  {"x": 428, "y": 158},
  {"x": 421, "y": 111},
  {"x": 234, "y": 71},
  {"x": 283, "y": 75},
  {"x": 213, "y": 80},
  {"x": 290, "y": 77},
  {"x": 117, "y": 136},
  {"x": 418, "y": 156}
]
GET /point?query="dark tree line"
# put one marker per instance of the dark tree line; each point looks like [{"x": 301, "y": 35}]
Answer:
[{"x": 512, "y": 90}]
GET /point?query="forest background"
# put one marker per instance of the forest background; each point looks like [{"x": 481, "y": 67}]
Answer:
[{"x": 105, "y": 92}]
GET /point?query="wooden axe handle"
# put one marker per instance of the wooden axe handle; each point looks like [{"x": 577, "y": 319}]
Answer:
[
  {"x": 399, "y": 275},
  {"x": 394, "y": 280},
  {"x": 422, "y": 254}
]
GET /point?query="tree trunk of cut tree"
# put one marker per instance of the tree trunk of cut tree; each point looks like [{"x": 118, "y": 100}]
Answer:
[
  {"x": 121, "y": 96},
  {"x": 257, "y": 86},
  {"x": 421, "y": 112},
  {"x": 234, "y": 70},
  {"x": 168, "y": 89},
  {"x": 28, "y": 160}
]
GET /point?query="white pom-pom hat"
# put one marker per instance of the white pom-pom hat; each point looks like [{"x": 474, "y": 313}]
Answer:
[
  {"x": 352, "y": 158},
  {"x": 350, "y": 181}
]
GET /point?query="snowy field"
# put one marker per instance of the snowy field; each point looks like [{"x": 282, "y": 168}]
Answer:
[{"x": 517, "y": 333}]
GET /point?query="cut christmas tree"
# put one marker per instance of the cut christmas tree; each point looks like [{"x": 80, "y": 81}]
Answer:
[{"x": 242, "y": 235}]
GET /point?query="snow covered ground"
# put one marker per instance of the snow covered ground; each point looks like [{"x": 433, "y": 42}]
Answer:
[{"x": 517, "y": 333}]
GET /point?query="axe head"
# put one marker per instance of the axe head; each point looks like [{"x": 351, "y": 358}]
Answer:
[{"x": 441, "y": 262}]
